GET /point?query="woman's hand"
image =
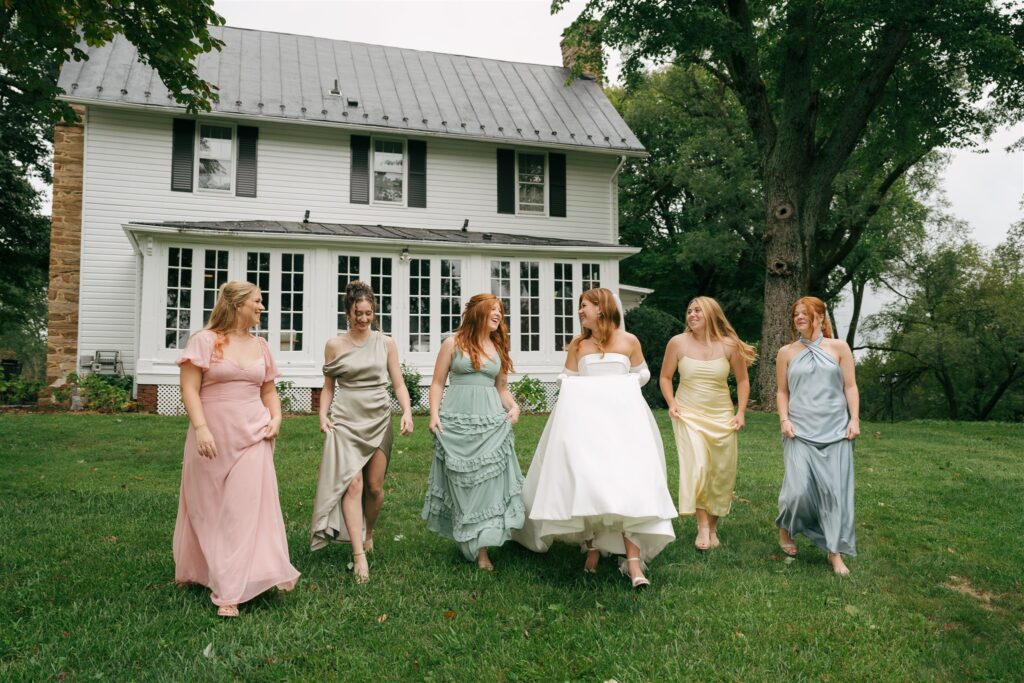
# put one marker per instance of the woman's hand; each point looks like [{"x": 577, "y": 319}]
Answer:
[
  {"x": 204, "y": 443},
  {"x": 513, "y": 414},
  {"x": 673, "y": 411},
  {"x": 435, "y": 425},
  {"x": 787, "y": 429},
  {"x": 325, "y": 424},
  {"x": 853, "y": 429},
  {"x": 405, "y": 426},
  {"x": 738, "y": 422},
  {"x": 273, "y": 429}
]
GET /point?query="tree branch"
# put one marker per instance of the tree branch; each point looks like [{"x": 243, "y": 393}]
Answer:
[{"x": 747, "y": 82}]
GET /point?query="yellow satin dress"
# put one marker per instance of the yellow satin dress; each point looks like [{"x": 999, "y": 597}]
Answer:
[{"x": 705, "y": 441}]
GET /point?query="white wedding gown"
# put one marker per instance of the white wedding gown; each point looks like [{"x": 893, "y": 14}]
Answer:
[{"x": 599, "y": 468}]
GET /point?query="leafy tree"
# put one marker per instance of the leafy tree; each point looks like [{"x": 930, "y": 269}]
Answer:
[
  {"x": 821, "y": 82},
  {"x": 956, "y": 329},
  {"x": 36, "y": 38}
]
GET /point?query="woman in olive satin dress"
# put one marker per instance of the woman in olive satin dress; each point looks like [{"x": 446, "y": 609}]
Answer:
[{"x": 355, "y": 416}]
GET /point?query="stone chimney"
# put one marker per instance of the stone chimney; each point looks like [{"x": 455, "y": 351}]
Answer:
[{"x": 588, "y": 56}]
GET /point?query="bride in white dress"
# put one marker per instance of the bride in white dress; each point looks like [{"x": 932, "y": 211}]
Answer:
[{"x": 598, "y": 475}]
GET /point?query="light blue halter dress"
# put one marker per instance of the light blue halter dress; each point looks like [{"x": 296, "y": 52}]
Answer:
[{"x": 817, "y": 490}]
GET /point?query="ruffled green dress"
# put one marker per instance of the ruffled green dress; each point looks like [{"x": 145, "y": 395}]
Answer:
[{"x": 473, "y": 491}]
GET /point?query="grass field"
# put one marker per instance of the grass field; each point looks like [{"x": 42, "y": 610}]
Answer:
[{"x": 87, "y": 507}]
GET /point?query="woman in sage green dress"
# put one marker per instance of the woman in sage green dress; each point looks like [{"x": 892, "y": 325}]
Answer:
[
  {"x": 355, "y": 416},
  {"x": 819, "y": 410},
  {"x": 473, "y": 491}
]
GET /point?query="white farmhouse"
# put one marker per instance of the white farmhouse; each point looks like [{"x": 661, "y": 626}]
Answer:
[{"x": 431, "y": 176}]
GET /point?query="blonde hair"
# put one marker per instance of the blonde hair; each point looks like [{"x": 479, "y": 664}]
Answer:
[
  {"x": 224, "y": 317},
  {"x": 717, "y": 327},
  {"x": 816, "y": 307},
  {"x": 609, "y": 320}
]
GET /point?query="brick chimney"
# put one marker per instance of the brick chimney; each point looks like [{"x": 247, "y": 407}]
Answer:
[{"x": 589, "y": 56}]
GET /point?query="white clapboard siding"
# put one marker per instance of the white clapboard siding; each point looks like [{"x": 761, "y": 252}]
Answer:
[{"x": 300, "y": 167}]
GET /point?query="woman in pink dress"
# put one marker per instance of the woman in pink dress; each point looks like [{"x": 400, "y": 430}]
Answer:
[{"x": 230, "y": 533}]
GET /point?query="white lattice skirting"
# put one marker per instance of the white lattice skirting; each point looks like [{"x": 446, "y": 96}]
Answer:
[{"x": 168, "y": 399}]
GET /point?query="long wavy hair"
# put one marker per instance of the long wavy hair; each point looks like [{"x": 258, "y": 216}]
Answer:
[
  {"x": 815, "y": 307},
  {"x": 609, "y": 319},
  {"x": 717, "y": 327},
  {"x": 224, "y": 317},
  {"x": 474, "y": 326},
  {"x": 357, "y": 291}
]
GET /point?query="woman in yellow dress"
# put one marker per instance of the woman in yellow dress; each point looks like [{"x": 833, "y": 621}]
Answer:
[{"x": 703, "y": 417}]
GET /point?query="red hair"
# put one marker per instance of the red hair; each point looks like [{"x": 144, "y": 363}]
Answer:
[
  {"x": 474, "y": 326},
  {"x": 609, "y": 321},
  {"x": 815, "y": 307}
]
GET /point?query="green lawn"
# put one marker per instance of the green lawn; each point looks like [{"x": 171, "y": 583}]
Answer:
[{"x": 87, "y": 507}]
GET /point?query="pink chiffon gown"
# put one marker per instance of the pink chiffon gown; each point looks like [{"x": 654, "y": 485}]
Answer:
[{"x": 230, "y": 533}]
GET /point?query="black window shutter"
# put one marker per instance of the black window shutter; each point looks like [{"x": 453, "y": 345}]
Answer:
[
  {"x": 418, "y": 174},
  {"x": 359, "y": 173},
  {"x": 556, "y": 198},
  {"x": 506, "y": 181},
  {"x": 183, "y": 149},
  {"x": 245, "y": 177}
]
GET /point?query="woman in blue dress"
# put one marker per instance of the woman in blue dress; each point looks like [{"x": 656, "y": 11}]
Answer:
[{"x": 819, "y": 410}]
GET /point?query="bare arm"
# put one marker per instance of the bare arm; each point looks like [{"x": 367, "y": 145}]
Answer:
[
  {"x": 191, "y": 381},
  {"x": 572, "y": 362},
  {"x": 669, "y": 365},
  {"x": 847, "y": 365},
  {"x": 268, "y": 394},
  {"x": 782, "y": 394},
  {"x": 398, "y": 382},
  {"x": 739, "y": 371},
  {"x": 441, "y": 368},
  {"x": 508, "y": 401},
  {"x": 327, "y": 392}
]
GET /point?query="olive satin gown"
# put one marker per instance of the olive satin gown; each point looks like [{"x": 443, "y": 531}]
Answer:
[{"x": 361, "y": 415}]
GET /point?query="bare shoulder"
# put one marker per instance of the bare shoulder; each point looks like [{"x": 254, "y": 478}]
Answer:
[
  {"x": 448, "y": 344},
  {"x": 389, "y": 341},
  {"x": 839, "y": 346},
  {"x": 786, "y": 352}
]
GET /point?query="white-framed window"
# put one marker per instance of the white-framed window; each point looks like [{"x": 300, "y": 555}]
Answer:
[
  {"x": 292, "y": 301},
  {"x": 529, "y": 306},
  {"x": 501, "y": 287},
  {"x": 419, "y": 304},
  {"x": 257, "y": 271},
  {"x": 590, "y": 276},
  {"x": 531, "y": 183},
  {"x": 178, "y": 313},
  {"x": 215, "y": 273},
  {"x": 215, "y": 155},
  {"x": 451, "y": 296},
  {"x": 348, "y": 270},
  {"x": 389, "y": 168},
  {"x": 381, "y": 281},
  {"x": 564, "y": 305}
]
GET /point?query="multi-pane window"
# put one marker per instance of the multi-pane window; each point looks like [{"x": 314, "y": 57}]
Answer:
[
  {"x": 531, "y": 183},
  {"x": 257, "y": 271},
  {"x": 529, "y": 306},
  {"x": 348, "y": 270},
  {"x": 380, "y": 281},
  {"x": 591, "y": 273},
  {"x": 564, "y": 309},
  {"x": 215, "y": 151},
  {"x": 178, "y": 319},
  {"x": 501, "y": 286},
  {"x": 419, "y": 304},
  {"x": 451, "y": 296},
  {"x": 215, "y": 273},
  {"x": 388, "y": 170},
  {"x": 292, "y": 287}
]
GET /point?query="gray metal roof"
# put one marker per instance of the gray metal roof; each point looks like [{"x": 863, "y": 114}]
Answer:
[
  {"x": 379, "y": 232},
  {"x": 290, "y": 77}
]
